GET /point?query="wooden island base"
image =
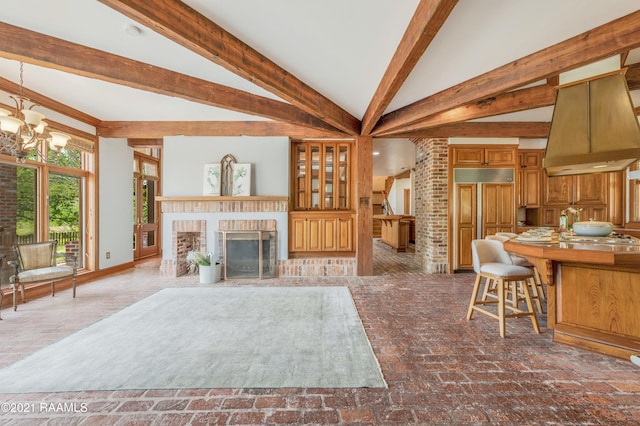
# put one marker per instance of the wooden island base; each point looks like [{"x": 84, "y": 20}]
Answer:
[
  {"x": 593, "y": 295},
  {"x": 395, "y": 230}
]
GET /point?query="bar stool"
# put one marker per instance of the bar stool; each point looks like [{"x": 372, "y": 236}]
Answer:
[
  {"x": 492, "y": 262},
  {"x": 537, "y": 289}
]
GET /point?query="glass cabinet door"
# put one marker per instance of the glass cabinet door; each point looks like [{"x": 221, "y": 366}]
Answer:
[
  {"x": 343, "y": 177},
  {"x": 328, "y": 176},
  {"x": 315, "y": 177},
  {"x": 301, "y": 177}
]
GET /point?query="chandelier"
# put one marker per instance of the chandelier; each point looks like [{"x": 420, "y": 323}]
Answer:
[{"x": 25, "y": 131}]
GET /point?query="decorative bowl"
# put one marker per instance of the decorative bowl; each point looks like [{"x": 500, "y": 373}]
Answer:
[{"x": 593, "y": 228}]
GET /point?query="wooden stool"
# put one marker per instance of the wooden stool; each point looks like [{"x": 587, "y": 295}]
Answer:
[
  {"x": 535, "y": 285},
  {"x": 493, "y": 264}
]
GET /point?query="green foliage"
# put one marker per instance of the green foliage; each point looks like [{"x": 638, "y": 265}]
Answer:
[{"x": 198, "y": 258}]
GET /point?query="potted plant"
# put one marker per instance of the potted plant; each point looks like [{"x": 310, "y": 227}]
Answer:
[{"x": 201, "y": 263}]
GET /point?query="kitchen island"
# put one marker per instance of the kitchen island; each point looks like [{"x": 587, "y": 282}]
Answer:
[
  {"x": 395, "y": 230},
  {"x": 593, "y": 292}
]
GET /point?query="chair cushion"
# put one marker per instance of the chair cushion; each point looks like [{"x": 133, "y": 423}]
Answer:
[
  {"x": 504, "y": 270},
  {"x": 45, "y": 274}
]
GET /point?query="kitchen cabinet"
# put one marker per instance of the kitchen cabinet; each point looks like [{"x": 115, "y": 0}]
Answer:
[
  {"x": 565, "y": 191},
  {"x": 484, "y": 156},
  {"x": 320, "y": 232},
  {"x": 529, "y": 178},
  {"x": 590, "y": 192},
  {"x": 396, "y": 230}
]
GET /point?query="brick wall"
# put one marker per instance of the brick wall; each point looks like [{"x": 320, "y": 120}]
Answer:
[{"x": 432, "y": 209}]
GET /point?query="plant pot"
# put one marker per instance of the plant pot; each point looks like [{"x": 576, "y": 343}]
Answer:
[{"x": 210, "y": 274}]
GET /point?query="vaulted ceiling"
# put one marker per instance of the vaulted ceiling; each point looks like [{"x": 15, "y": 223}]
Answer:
[{"x": 313, "y": 68}]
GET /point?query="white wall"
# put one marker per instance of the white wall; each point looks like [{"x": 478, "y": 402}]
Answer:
[
  {"x": 116, "y": 203},
  {"x": 183, "y": 161},
  {"x": 396, "y": 195}
]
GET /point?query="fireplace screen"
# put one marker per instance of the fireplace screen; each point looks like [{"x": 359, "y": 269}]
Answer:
[{"x": 249, "y": 254}]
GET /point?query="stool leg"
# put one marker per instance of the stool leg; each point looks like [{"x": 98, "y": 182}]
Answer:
[
  {"x": 474, "y": 295},
  {"x": 501, "y": 318},
  {"x": 532, "y": 312},
  {"x": 531, "y": 282}
]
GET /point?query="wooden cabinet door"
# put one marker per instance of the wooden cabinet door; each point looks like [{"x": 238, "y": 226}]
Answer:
[
  {"x": 314, "y": 234},
  {"x": 590, "y": 189},
  {"x": 466, "y": 223},
  {"x": 298, "y": 234},
  {"x": 497, "y": 208},
  {"x": 558, "y": 191},
  {"x": 468, "y": 156},
  {"x": 344, "y": 234},
  {"x": 530, "y": 159},
  {"x": 551, "y": 216},
  {"x": 500, "y": 157},
  {"x": 530, "y": 187},
  {"x": 616, "y": 198},
  {"x": 329, "y": 240}
]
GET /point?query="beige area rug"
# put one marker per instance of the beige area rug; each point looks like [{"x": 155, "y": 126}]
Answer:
[{"x": 230, "y": 337}]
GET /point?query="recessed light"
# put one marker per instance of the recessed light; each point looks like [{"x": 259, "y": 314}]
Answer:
[{"x": 376, "y": 152}]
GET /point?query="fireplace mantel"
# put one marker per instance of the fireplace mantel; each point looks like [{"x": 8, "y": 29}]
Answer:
[
  {"x": 223, "y": 204},
  {"x": 222, "y": 198}
]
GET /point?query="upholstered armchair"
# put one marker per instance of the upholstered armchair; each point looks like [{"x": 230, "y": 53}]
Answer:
[{"x": 37, "y": 263}]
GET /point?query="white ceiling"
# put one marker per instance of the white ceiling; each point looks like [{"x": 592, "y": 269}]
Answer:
[{"x": 341, "y": 48}]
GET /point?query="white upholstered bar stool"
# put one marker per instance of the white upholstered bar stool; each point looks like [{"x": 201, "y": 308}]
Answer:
[
  {"x": 537, "y": 289},
  {"x": 493, "y": 265}
]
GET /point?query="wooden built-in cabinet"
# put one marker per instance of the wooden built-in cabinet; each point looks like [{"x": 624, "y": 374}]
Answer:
[
  {"x": 318, "y": 232},
  {"x": 321, "y": 217},
  {"x": 475, "y": 156}
]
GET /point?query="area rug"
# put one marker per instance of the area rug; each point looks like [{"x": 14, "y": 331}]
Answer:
[{"x": 230, "y": 337}]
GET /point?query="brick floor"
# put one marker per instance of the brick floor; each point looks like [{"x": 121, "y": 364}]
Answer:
[{"x": 440, "y": 368}]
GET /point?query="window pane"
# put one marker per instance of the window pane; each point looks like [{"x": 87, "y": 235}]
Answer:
[
  {"x": 66, "y": 157},
  {"x": 65, "y": 213}
]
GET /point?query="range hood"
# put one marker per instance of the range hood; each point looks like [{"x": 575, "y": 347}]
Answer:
[{"x": 594, "y": 128}]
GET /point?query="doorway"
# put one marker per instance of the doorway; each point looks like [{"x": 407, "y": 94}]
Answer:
[{"x": 145, "y": 217}]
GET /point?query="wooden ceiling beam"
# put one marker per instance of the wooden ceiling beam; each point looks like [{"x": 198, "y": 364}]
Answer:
[
  {"x": 423, "y": 27},
  {"x": 633, "y": 76},
  {"x": 186, "y": 26},
  {"x": 38, "y": 49},
  {"x": 601, "y": 42},
  {"x": 158, "y": 129},
  {"x": 488, "y": 129},
  {"x": 517, "y": 100}
]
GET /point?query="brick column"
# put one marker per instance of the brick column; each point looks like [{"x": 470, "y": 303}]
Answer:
[{"x": 432, "y": 209}]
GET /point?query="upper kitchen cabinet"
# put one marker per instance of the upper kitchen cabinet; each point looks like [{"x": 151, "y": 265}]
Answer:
[
  {"x": 484, "y": 156},
  {"x": 565, "y": 191},
  {"x": 321, "y": 175},
  {"x": 529, "y": 178}
]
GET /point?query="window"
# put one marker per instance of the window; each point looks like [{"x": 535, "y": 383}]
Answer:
[{"x": 47, "y": 198}]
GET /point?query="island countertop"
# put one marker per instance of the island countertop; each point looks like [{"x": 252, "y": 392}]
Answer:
[{"x": 581, "y": 252}]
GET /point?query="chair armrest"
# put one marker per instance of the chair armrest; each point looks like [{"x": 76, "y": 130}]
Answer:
[{"x": 15, "y": 264}]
